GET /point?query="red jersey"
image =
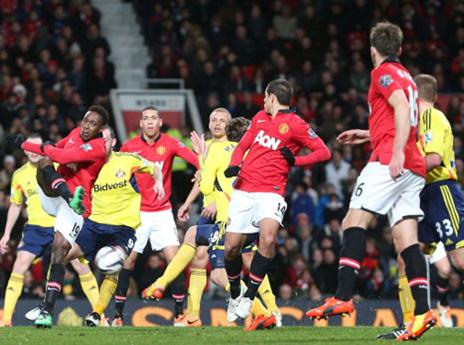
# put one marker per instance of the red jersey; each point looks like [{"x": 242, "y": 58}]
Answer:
[
  {"x": 264, "y": 169},
  {"x": 385, "y": 79},
  {"x": 80, "y": 161},
  {"x": 162, "y": 153}
]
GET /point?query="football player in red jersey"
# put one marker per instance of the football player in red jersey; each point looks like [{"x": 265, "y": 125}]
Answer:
[
  {"x": 158, "y": 225},
  {"x": 275, "y": 136},
  {"x": 80, "y": 155},
  {"x": 390, "y": 184}
]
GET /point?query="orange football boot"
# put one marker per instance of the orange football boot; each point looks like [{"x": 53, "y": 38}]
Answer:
[
  {"x": 331, "y": 307},
  {"x": 419, "y": 325},
  {"x": 262, "y": 322}
]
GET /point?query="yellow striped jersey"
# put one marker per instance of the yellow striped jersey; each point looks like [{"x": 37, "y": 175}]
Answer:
[
  {"x": 115, "y": 196},
  {"x": 208, "y": 199},
  {"x": 24, "y": 187},
  {"x": 436, "y": 136},
  {"x": 213, "y": 182}
]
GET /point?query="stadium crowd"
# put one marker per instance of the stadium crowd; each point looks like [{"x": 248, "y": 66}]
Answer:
[{"x": 54, "y": 62}]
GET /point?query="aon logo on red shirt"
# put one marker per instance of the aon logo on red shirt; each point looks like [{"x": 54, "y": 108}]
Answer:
[{"x": 267, "y": 141}]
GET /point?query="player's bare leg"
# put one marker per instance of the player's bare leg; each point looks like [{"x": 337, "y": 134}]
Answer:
[
  {"x": 354, "y": 227},
  {"x": 457, "y": 258},
  {"x": 444, "y": 271},
  {"x": 15, "y": 285}
]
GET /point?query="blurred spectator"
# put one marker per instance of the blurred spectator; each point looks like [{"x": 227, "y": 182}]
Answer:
[
  {"x": 9, "y": 166},
  {"x": 337, "y": 171}
]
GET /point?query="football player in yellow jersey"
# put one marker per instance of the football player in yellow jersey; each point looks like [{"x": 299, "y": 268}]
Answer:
[
  {"x": 206, "y": 241},
  {"x": 37, "y": 236},
  {"x": 115, "y": 214},
  {"x": 218, "y": 120},
  {"x": 442, "y": 201}
]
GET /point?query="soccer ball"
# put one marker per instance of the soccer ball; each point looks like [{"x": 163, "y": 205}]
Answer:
[{"x": 110, "y": 259}]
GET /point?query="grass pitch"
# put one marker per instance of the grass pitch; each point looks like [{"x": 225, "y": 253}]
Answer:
[{"x": 212, "y": 335}]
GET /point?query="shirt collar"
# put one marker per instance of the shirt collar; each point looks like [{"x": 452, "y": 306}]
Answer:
[
  {"x": 391, "y": 59},
  {"x": 145, "y": 141}
]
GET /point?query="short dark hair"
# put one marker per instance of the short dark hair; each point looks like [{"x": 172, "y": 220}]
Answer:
[
  {"x": 386, "y": 38},
  {"x": 150, "y": 107},
  {"x": 426, "y": 87},
  {"x": 282, "y": 89},
  {"x": 100, "y": 111},
  {"x": 236, "y": 128}
]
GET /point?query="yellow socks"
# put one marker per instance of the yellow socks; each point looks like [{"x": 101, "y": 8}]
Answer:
[
  {"x": 184, "y": 255},
  {"x": 197, "y": 285},
  {"x": 266, "y": 294},
  {"x": 406, "y": 300},
  {"x": 12, "y": 293},
  {"x": 90, "y": 288},
  {"x": 257, "y": 308},
  {"x": 107, "y": 289}
]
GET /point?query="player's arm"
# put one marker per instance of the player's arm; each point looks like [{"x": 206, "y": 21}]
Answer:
[
  {"x": 183, "y": 212},
  {"x": 209, "y": 171},
  {"x": 303, "y": 134},
  {"x": 14, "y": 211},
  {"x": 144, "y": 166},
  {"x": 66, "y": 156},
  {"x": 400, "y": 105},
  {"x": 432, "y": 139},
  {"x": 354, "y": 137},
  {"x": 186, "y": 154}
]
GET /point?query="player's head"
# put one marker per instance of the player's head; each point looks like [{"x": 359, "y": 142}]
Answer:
[
  {"x": 386, "y": 39},
  {"x": 278, "y": 95},
  {"x": 110, "y": 139},
  {"x": 150, "y": 122},
  {"x": 31, "y": 156},
  {"x": 426, "y": 87},
  {"x": 218, "y": 120},
  {"x": 237, "y": 128},
  {"x": 94, "y": 119}
]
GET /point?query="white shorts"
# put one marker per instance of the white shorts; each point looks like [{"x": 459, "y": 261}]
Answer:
[
  {"x": 438, "y": 254},
  {"x": 158, "y": 227},
  {"x": 247, "y": 209},
  {"x": 376, "y": 192},
  {"x": 67, "y": 222}
]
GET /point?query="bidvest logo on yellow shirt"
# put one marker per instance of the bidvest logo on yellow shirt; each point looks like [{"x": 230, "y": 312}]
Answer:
[
  {"x": 30, "y": 192},
  {"x": 109, "y": 186}
]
